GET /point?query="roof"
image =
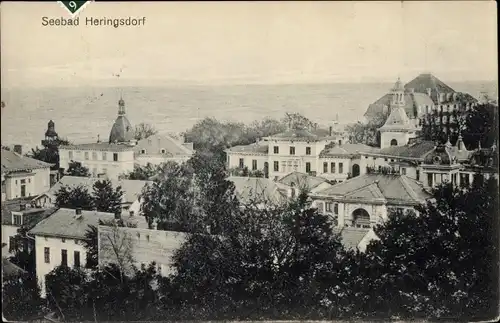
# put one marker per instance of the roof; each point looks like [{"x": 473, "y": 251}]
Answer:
[
  {"x": 13, "y": 162},
  {"x": 347, "y": 150},
  {"x": 382, "y": 105},
  {"x": 426, "y": 81},
  {"x": 31, "y": 216},
  {"x": 351, "y": 237},
  {"x": 64, "y": 223},
  {"x": 485, "y": 158},
  {"x": 9, "y": 269},
  {"x": 262, "y": 190},
  {"x": 302, "y": 180},
  {"x": 416, "y": 150},
  {"x": 155, "y": 143},
  {"x": 295, "y": 134},
  {"x": 122, "y": 130},
  {"x": 100, "y": 146},
  {"x": 131, "y": 188},
  {"x": 261, "y": 147},
  {"x": 393, "y": 188},
  {"x": 397, "y": 120},
  {"x": 146, "y": 245}
]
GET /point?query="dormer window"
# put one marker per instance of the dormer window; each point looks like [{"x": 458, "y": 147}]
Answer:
[
  {"x": 143, "y": 151},
  {"x": 163, "y": 150}
]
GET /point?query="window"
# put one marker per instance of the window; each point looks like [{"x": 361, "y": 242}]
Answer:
[
  {"x": 63, "y": 240},
  {"x": 403, "y": 171},
  {"x": 12, "y": 244},
  {"x": 341, "y": 168},
  {"x": 18, "y": 219},
  {"x": 76, "y": 258},
  {"x": 254, "y": 164},
  {"x": 163, "y": 150},
  {"x": 417, "y": 174},
  {"x": 70, "y": 155},
  {"x": 115, "y": 156},
  {"x": 308, "y": 151},
  {"x": 276, "y": 149},
  {"x": 328, "y": 207},
  {"x": 336, "y": 208},
  {"x": 320, "y": 206},
  {"x": 23, "y": 181},
  {"x": 242, "y": 163},
  {"x": 332, "y": 167},
  {"x": 143, "y": 151},
  {"x": 46, "y": 253},
  {"x": 276, "y": 166},
  {"x": 385, "y": 159},
  {"x": 86, "y": 155},
  {"x": 308, "y": 167},
  {"x": 94, "y": 155},
  {"x": 104, "y": 157},
  {"x": 292, "y": 150},
  {"x": 429, "y": 180},
  {"x": 340, "y": 142},
  {"x": 64, "y": 257},
  {"x": 325, "y": 167}
]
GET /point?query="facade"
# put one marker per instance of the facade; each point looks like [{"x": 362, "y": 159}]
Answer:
[
  {"x": 23, "y": 176},
  {"x": 364, "y": 201},
  {"x": 158, "y": 149},
  {"x": 138, "y": 247},
  {"x": 59, "y": 240}
]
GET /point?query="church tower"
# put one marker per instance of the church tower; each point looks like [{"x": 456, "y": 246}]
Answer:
[
  {"x": 51, "y": 135},
  {"x": 122, "y": 131},
  {"x": 398, "y": 128}
]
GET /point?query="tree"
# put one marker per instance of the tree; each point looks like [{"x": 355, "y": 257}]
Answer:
[
  {"x": 141, "y": 172},
  {"x": 144, "y": 130},
  {"x": 23, "y": 251},
  {"x": 76, "y": 169},
  {"x": 91, "y": 244},
  {"x": 21, "y": 297},
  {"x": 277, "y": 263},
  {"x": 50, "y": 152},
  {"x": 107, "y": 199},
  {"x": 74, "y": 197},
  {"x": 367, "y": 133},
  {"x": 440, "y": 263}
]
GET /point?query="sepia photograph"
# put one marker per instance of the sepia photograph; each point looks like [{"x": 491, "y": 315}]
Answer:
[{"x": 249, "y": 161}]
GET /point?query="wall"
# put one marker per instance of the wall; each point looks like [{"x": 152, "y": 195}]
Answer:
[
  {"x": 347, "y": 168},
  {"x": 234, "y": 160},
  {"x": 144, "y": 159},
  {"x": 55, "y": 245},
  {"x": 13, "y": 184},
  {"x": 7, "y": 232},
  {"x": 387, "y": 136}
]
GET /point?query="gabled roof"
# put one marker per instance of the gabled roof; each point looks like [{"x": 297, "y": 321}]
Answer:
[
  {"x": 347, "y": 150},
  {"x": 261, "y": 147},
  {"x": 302, "y": 180},
  {"x": 428, "y": 81},
  {"x": 397, "y": 120},
  {"x": 394, "y": 188},
  {"x": 9, "y": 269},
  {"x": 13, "y": 162},
  {"x": 416, "y": 150},
  {"x": 64, "y": 223},
  {"x": 257, "y": 189},
  {"x": 131, "y": 188},
  {"x": 155, "y": 143},
  {"x": 100, "y": 146},
  {"x": 351, "y": 237},
  {"x": 146, "y": 245},
  {"x": 31, "y": 216},
  {"x": 295, "y": 134}
]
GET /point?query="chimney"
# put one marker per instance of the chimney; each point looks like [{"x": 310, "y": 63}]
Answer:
[
  {"x": 18, "y": 149},
  {"x": 78, "y": 211},
  {"x": 331, "y": 131}
]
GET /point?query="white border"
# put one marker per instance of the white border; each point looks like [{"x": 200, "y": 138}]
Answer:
[{"x": 73, "y": 15}]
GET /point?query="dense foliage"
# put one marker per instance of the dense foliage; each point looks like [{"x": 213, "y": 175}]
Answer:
[
  {"x": 77, "y": 169},
  {"x": 50, "y": 152},
  {"x": 367, "y": 133},
  {"x": 143, "y": 131}
]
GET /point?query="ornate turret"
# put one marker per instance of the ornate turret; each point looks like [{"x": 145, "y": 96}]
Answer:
[
  {"x": 398, "y": 94},
  {"x": 51, "y": 135},
  {"x": 122, "y": 131}
]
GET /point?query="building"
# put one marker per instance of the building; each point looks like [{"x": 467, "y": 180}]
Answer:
[
  {"x": 107, "y": 159},
  {"x": 23, "y": 176},
  {"x": 366, "y": 200},
  {"x": 295, "y": 150},
  {"x": 308, "y": 183},
  {"x": 356, "y": 239},
  {"x": 131, "y": 188},
  {"x": 138, "y": 247},
  {"x": 261, "y": 191},
  {"x": 18, "y": 214},
  {"x": 158, "y": 149},
  {"x": 59, "y": 240}
]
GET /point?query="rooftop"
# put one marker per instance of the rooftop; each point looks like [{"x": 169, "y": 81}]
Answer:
[
  {"x": 13, "y": 162},
  {"x": 100, "y": 146},
  {"x": 397, "y": 120},
  {"x": 393, "y": 188},
  {"x": 295, "y": 134},
  {"x": 351, "y": 237},
  {"x": 31, "y": 216},
  {"x": 260, "y": 147},
  {"x": 257, "y": 189},
  {"x": 347, "y": 150},
  {"x": 416, "y": 150},
  {"x": 64, "y": 223},
  {"x": 302, "y": 180},
  {"x": 155, "y": 143}
]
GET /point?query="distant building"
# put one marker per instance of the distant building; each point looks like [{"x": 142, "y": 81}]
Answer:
[
  {"x": 59, "y": 240},
  {"x": 259, "y": 191},
  {"x": 138, "y": 247},
  {"x": 308, "y": 183},
  {"x": 158, "y": 149},
  {"x": 23, "y": 176}
]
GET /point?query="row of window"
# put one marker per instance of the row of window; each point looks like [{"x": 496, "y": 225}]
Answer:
[
  {"x": 242, "y": 164},
  {"x": 162, "y": 151},
  {"x": 276, "y": 150},
  {"x": 64, "y": 257},
  {"x": 329, "y": 207},
  {"x": 94, "y": 155},
  {"x": 333, "y": 168},
  {"x": 23, "y": 181}
]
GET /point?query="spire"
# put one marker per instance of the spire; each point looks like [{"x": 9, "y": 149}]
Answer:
[
  {"x": 398, "y": 93},
  {"x": 459, "y": 144},
  {"x": 121, "y": 106},
  {"x": 448, "y": 143}
]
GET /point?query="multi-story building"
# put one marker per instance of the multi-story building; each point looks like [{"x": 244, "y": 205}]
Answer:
[
  {"x": 23, "y": 176},
  {"x": 159, "y": 149}
]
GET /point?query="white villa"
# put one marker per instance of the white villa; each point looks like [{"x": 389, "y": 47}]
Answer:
[{"x": 121, "y": 152}]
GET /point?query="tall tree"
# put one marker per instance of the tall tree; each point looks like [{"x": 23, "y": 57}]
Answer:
[
  {"x": 21, "y": 297},
  {"x": 77, "y": 169},
  {"x": 367, "y": 133},
  {"x": 74, "y": 197},
  {"x": 105, "y": 198},
  {"x": 144, "y": 130},
  {"x": 141, "y": 172}
]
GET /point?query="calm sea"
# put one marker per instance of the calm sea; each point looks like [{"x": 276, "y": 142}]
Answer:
[{"x": 81, "y": 114}]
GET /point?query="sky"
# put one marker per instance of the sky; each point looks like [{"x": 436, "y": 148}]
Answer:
[{"x": 249, "y": 42}]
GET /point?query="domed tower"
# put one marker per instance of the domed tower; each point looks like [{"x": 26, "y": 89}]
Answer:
[
  {"x": 440, "y": 166},
  {"x": 122, "y": 130},
  {"x": 51, "y": 135}
]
